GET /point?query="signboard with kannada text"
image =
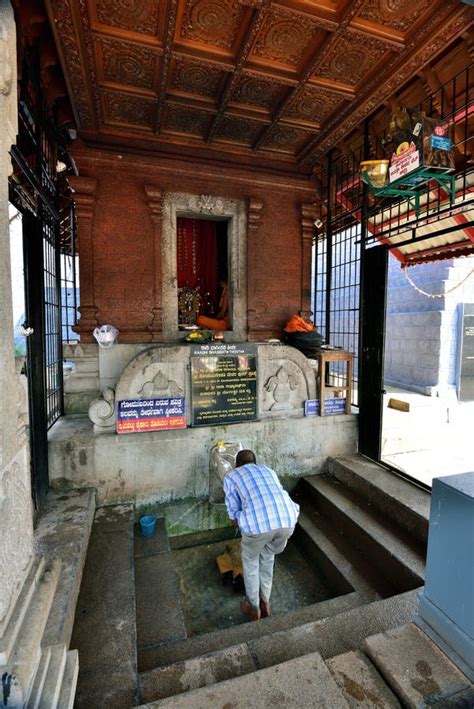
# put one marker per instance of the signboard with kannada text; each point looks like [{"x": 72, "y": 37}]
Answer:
[
  {"x": 332, "y": 407},
  {"x": 223, "y": 384},
  {"x": 145, "y": 415}
]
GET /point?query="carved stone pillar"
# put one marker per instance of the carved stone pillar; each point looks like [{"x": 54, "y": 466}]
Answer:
[
  {"x": 155, "y": 197},
  {"x": 309, "y": 212},
  {"x": 16, "y": 521},
  {"x": 84, "y": 198}
]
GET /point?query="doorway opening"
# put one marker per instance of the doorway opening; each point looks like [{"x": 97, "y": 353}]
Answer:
[{"x": 202, "y": 253}]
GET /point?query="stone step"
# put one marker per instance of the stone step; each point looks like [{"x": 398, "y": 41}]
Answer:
[
  {"x": 62, "y": 532},
  {"x": 40, "y": 677},
  {"x": 339, "y": 634},
  {"x": 68, "y": 686},
  {"x": 104, "y": 630},
  {"x": 360, "y": 683},
  {"x": 199, "y": 645},
  {"x": 26, "y": 656},
  {"x": 416, "y": 669},
  {"x": 54, "y": 677},
  {"x": 197, "y": 672},
  {"x": 297, "y": 684},
  {"x": 13, "y": 626},
  {"x": 341, "y": 564},
  {"x": 401, "y": 501},
  {"x": 390, "y": 550}
]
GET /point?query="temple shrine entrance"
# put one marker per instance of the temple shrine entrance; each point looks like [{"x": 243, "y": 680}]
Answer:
[{"x": 202, "y": 270}]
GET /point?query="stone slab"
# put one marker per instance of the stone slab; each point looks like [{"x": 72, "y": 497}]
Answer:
[
  {"x": 211, "y": 642},
  {"x": 104, "y": 630},
  {"x": 415, "y": 668},
  {"x": 68, "y": 687},
  {"x": 114, "y": 518},
  {"x": 159, "y": 614},
  {"x": 195, "y": 673},
  {"x": 360, "y": 683},
  {"x": 62, "y": 532},
  {"x": 146, "y": 546},
  {"x": 297, "y": 684},
  {"x": 460, "y": 700},
  {"x": 54, "y": 677},
  {"x": 334, "y": 636}
]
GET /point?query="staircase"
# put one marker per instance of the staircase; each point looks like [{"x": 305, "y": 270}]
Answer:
[{"x": 367, "y": 532}]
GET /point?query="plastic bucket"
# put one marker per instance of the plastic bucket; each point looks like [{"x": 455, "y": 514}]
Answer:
[{"x": 148, "y": 524}]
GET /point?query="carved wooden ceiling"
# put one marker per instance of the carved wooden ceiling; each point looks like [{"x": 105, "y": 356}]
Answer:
[{"x": 278, "y": 81}]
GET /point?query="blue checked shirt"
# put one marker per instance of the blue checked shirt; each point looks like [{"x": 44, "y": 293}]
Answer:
[{"x": 256, "y": 499}]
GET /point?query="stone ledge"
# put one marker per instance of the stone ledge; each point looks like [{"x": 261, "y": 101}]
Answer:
[{"x": 63, "y": 532}]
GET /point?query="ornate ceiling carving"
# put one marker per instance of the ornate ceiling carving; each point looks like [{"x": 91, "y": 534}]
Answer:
[
  {"x": 134, "y": 15},
  {"x": 254, "y": 77},
  {"x": 285, "y": 36},
  {"x": 128, "y": 64},
  {"x": 214, "y": 22}
]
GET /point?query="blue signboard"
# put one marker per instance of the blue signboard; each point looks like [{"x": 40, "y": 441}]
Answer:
[
  {"x": 332, "y": 407},
  {"x": 440, "y": 142},
  {"x": 140, "y": 415}
]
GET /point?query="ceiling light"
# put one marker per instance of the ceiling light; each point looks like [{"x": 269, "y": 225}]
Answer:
[{"x": 60, "y": 166}]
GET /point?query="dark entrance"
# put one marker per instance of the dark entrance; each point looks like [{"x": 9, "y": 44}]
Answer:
[{"x": 374, "y": 283}]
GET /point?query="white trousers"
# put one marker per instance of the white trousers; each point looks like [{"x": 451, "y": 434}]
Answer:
[{"x": 258, "y": 557}]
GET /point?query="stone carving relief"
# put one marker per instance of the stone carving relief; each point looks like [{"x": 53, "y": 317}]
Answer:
[
  {"x": 185, "y": 120},
  {"x": 129, "y": 64},
  {"x": 351, "y": 58},
  {"x": 6, "y": 67},
  {"x": 136, "y": 15},
  {"x": 313, "y": 104},
  {"x": 102, "y": 411},
  {"x": 119, "y": 108},
  {"x": 160, "y": 386},
  {"x": 280, "y": 386},
  {"x": 196, "y": 77},
  {"x": 16, "y": 537},
  {"x": 286, "y": 379},
  {"x": 399, "y": 14},
  {"x": 214, "y": 22},
  {"x": 285, "y": 35},
  {"x": 242, "y": 130}
]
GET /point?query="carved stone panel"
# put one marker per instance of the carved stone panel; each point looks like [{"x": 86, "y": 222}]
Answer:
[
  {"x": 135, "y": 15},
  {"x": 125, "y": 63},
  {"x": 285, "y": 36},
  {"x": 286, "y": 378},
  {"x": 351, "y": 58},
  {"x": 214, "y": 22}
]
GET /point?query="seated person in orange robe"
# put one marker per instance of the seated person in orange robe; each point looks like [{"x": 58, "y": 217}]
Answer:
[{"x": 221, "y": 321}]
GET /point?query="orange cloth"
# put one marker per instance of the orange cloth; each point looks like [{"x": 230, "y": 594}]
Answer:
[
  {"x": 212, "y": 323},
  {"x": 297, "y": 324}
]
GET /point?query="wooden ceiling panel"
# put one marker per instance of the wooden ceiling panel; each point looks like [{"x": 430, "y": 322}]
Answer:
[
  {"x": 140, "y": 16},
  {"x": 397, "y": 14},
  {"x": 352, "y": 59},
  {"x": 286, "y": 36},
  {"x": 131, "y": 65},
  {"x": 214, "y": 23},
  {"x": 282, "y": 80},
  {"x": 183, "y": 119},
  {"x": 119, "y": 109}
]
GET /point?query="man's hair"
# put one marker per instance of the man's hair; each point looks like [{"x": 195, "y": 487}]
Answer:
[{"x": 244, "y": 458}]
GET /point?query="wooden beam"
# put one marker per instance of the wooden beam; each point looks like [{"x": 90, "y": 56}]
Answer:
[
  {"x": 321, "y": 54},
  {"x": 259, "y": 13},
  {"x": 166, "y": 57}
]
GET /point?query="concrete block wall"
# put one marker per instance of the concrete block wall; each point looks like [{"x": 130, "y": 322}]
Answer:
[{"x": 422, "y": 336}]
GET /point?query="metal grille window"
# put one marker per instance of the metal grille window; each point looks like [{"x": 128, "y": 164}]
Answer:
[
  {"x": 69, "y": 271},
  {"x": 52, "y": 318}
]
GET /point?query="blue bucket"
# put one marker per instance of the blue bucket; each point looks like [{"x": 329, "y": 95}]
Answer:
[{"x": 148, "y": 524}]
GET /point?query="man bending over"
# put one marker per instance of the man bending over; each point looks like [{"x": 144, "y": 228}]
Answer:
[{"x": 266, "y": 515}]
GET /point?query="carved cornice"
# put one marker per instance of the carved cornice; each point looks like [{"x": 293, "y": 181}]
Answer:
[
  {"x": 309, "y": 213},
  {"x": 83, "y": 194},
  {"x": 255, "y": 213},
  {"x": 155, "y": 197},
  {"x": 166, "y": 59}
]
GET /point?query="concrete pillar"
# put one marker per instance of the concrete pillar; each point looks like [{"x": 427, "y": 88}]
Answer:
[
  {"x": 446, "y": 611},
  {"x": 16, "y": 521}
]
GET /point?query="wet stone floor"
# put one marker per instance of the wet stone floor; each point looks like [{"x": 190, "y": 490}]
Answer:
[{"x": 210, "y": 604}]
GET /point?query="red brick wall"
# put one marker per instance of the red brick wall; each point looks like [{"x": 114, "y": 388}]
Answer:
[{"x": 123, "y": 237}]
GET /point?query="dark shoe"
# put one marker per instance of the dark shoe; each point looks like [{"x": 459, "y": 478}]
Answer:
[
  {"x": 265, "y": 611},
  {"x": 252, "y": 612}
]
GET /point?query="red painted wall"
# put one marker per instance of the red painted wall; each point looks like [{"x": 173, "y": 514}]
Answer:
[{"x": 123, "y": 237}]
